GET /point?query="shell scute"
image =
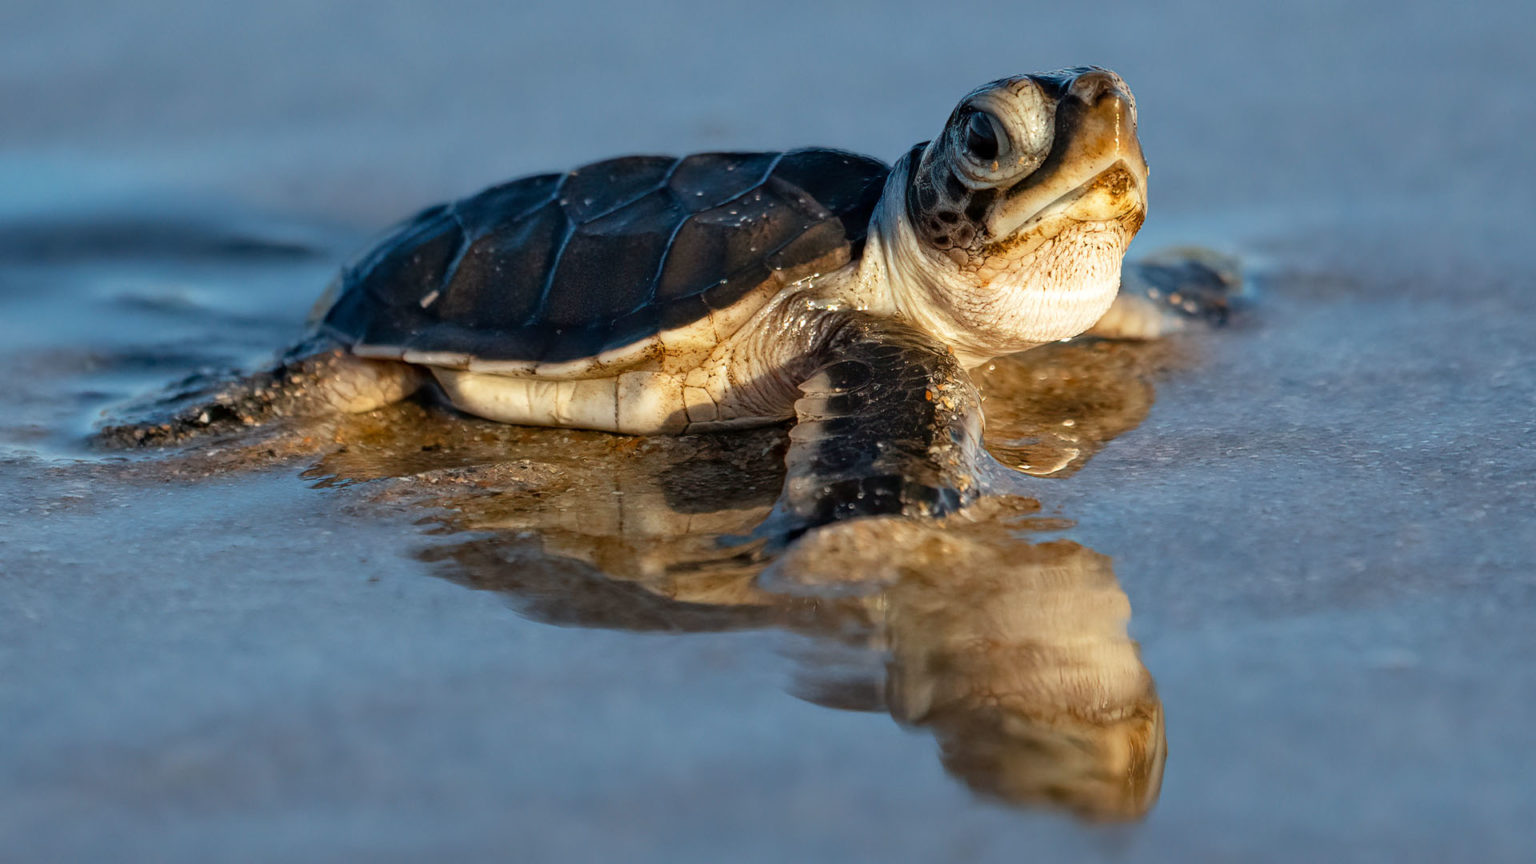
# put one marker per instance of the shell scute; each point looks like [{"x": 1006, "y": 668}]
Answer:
[
  {"x": 595, "y": 190},
  {"x": 516, "y": 252},
  {"x": 707, "y": 180},
  {"x": 606, "y": 259}
]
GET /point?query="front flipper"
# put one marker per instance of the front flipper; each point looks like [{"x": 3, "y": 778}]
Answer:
[
  {"x": 889, "y": 423},
  {"x": 1170, "y": 292}
]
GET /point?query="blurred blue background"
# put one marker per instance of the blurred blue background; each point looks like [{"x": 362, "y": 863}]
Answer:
[{"x": 361, "y": 110}]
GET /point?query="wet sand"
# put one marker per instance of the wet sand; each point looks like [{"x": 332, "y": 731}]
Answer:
[{"x": 408, "y": 636}]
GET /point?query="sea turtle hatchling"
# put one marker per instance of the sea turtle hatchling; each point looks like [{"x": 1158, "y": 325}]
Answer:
[{"x": 652, "y": 294}]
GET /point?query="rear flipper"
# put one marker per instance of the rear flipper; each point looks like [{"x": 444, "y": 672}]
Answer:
[
  {"x": 1170, "y": 292},
  {"x": 890, "y": 424},
  {"x": 316, "y": 378}
]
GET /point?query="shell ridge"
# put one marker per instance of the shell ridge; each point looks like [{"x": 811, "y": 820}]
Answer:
[
  {"x": 465, "y": 241},
  {"x": 661, "y": 266},
  {"x": 772, "y": 167},
  {"x": 468, "y": 243},
  {"x": 756, "y": 186},
  {"x": 666, "y": 178},
  {"x": 549, "y": 277},
  {"x": 769, "y": 254}
]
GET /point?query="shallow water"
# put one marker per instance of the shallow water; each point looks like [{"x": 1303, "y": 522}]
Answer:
[{"x": 1318, "y": 519}]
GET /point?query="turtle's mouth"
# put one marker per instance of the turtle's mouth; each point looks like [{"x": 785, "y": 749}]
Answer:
[
  {"x": 1115, "y": 195},
  {"x": 1105, "y": 196}
]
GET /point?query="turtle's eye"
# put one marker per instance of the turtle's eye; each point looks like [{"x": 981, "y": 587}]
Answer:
[{"x": 981, "y": 136}]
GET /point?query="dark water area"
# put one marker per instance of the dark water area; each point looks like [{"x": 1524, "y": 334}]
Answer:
[{"x": 1269, "y": 598}]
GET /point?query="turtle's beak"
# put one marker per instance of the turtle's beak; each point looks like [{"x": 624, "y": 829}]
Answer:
[{"x": 1095, "y": 170}]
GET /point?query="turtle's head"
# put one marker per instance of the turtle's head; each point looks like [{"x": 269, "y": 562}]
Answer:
[{"x": 1007, "y": 231}]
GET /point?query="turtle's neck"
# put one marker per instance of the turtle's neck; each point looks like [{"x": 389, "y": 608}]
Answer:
[{"x": 896, "y": 277}]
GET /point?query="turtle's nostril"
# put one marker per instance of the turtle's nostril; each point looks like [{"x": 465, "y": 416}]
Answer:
[{"x": 1095, "y": 85}]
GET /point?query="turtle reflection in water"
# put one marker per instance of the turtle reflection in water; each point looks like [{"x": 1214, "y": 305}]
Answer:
[
  {"x": 1013, "y": 654},
  {"x": 728, "y": 290}
]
